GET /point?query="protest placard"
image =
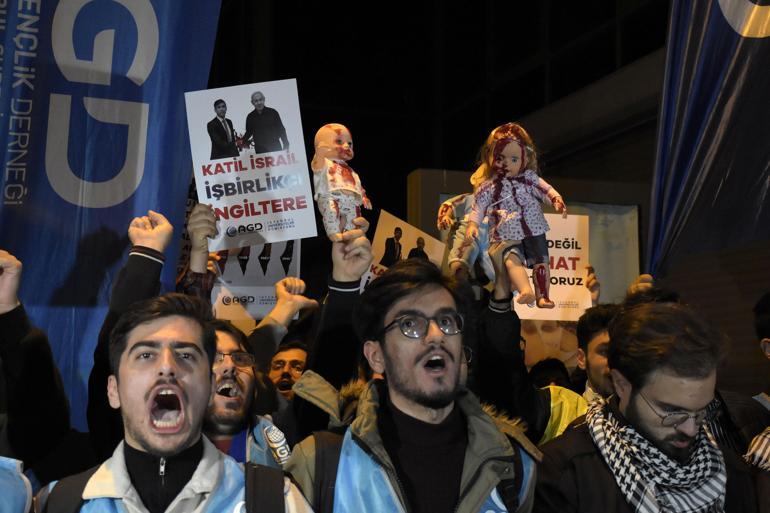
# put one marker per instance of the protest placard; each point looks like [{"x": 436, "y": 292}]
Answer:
[
  {"x": 568, "y": 253},
  {"x": 250, "y": 164},
  {"x": 244, "y": 289},
  {"x": 395, "y": 240}
]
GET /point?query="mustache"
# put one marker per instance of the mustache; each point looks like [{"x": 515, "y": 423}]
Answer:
[
  {"x": 431, "y": 349},
  {"x": 680, "y": 437},
  {"x": 166, "y": 381},
  {"x": 230, "y": 379}
]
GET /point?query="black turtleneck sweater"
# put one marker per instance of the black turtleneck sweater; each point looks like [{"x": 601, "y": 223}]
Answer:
[
  {"x": 428, "y": 457},
  {"x": 159, "y": 480}
]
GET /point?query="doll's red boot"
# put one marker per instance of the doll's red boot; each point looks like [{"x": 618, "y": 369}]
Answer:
[{"x": 540, "y": 279}]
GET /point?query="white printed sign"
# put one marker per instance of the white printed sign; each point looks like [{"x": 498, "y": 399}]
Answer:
[
  {"x": 568, "y": 253},
  {"x": 249, "y": 161},
  {"x": 244, "y": 290},
  {"x": 396, "y": 240}
]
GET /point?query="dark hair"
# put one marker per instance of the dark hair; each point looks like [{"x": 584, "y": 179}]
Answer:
[
  {"x": 399, "y": 281},
  {"x": 266, "y": 400},
  {"x": 229, "y": 328},
  {"x": 160, "y": 307},
  {"x": 292, "y": 344},
  {"x": 651, "y": 295},
  {"x": 218, "y": 102},
  {"x": 762, "y": 317},
  {"x": 657, "y": 336},
  {"x": 550, "y": 370},
  {"x": 593, "y": 321}
]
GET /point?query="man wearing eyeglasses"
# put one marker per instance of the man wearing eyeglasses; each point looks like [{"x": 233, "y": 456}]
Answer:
[
  {"x": 286, "y": 367},
  {"x": 646, "y": 448},
  {"x": 230, "y": 422},
  {"x": 419, "y": 441}
]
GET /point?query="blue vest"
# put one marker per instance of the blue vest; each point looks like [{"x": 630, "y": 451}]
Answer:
[
  {"x": 15, "y": 490},
  {"x": 267, "y": 445},
  {"x": 227, "y": 497},
  {"x": 363, "y": 485}
]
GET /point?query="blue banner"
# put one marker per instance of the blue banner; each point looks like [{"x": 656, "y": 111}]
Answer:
[
  {"x": 93, "y": 134},
  {"x": 712, "y": 171}
]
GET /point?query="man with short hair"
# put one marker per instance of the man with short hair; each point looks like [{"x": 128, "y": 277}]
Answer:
[
  {"x": 230, "y": 421},
  {"x": 392, "y": 252},
  {"x": 420, "y": 439},
  {"x": 286, "y": 367},
  {"x": 419, "y": 250},
  {"x": 161, "y": 353},
  {"x": 593, "y": 345},
  {"x": 264, "y": 128},
  {"x": 221, "y": 132},
  {"x": 646, "y": 448}
]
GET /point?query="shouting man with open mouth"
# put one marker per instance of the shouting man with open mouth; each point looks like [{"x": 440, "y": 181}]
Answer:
[{"x": 161, "y": 354}]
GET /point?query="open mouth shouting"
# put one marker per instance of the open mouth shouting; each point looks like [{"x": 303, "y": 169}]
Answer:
[
  {"x": 167, "y": 409},
  {"x": 436, "y": 362},
  {"x": 284, "y": 385},
  {"x": 229, "y": 389}
]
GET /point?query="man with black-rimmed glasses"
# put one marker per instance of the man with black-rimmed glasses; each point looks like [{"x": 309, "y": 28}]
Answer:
[
  {"x": 419, "y": 440},
  {"x": 230, "y": 422},
  {"x": 647, "y": 448}
]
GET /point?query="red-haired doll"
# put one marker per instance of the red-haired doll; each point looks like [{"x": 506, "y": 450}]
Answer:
[{"x": 510, "y": 196}]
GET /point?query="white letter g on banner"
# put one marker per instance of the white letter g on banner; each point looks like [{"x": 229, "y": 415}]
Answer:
[
  {"x": 83, "y": 192},
  {"x": 99, "y": 69}
]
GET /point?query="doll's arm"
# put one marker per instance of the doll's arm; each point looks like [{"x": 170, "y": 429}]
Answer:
[
  {"x": 472, "y": 232},
  {"x": 445, "y": 217},
  {"x": 447, "y": 214},
  {"x": 481, "y": 200},
  {"x": 553, "y": 196}
]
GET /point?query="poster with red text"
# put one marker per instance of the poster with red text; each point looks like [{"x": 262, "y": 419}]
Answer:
[
  {"x": 568, "y": 254},
  {"x": 249, "y": 162}
]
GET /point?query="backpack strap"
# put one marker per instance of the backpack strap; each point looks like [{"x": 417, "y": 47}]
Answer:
[
  {"x": 67, "y": 494},
  {"x": 328, "y": 445},
  {"x": 264, "y": 489},
  {"x": 509, "y": 489}
]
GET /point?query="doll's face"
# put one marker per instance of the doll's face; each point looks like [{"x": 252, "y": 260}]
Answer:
[
  {"x": 509, "y": 159},
  {"x": 335, "y": 143}
]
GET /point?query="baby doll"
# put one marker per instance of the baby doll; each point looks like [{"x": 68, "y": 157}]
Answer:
[
  {"x": 463, "y": 252},
  {"x": 338, "y": 190},
  {"x": 510, "y": 196}
]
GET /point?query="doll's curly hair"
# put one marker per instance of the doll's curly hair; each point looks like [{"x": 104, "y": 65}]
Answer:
[{"x": 495, "y": 143}]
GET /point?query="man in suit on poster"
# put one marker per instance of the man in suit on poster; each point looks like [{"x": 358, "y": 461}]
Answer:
[
  {"x": 221, "y": 132},
  {"x": 392, "y": 249},
  {"x": 264, "y": 128}
]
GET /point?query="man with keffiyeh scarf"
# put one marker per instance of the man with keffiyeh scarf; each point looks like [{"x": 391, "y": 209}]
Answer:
[{"x": 645, "y": 449}]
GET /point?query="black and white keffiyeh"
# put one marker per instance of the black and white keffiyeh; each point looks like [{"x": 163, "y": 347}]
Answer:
[
  {"x": 650, "y": 480},
  {"x": 758, "y": 454}
]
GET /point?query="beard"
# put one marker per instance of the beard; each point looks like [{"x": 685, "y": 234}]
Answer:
[
  {"x": 397, "y": 379},
  {"x": 681, "y": 454},
  {"x": 227, "y": 422}
]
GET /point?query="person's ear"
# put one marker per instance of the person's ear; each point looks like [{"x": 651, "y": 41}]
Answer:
[
  {"x": 764, "y": 344},
  {"x": 581, "y": 359},
  {"x": 112, "y": 391},
  {"x": 374, "y": 355},
  {"x": 623, "y": 388}
]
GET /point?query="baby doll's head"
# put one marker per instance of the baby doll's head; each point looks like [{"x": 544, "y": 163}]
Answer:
[
  {"x": 506, "y": 142},
  {"x": 333, "y": 141}
]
